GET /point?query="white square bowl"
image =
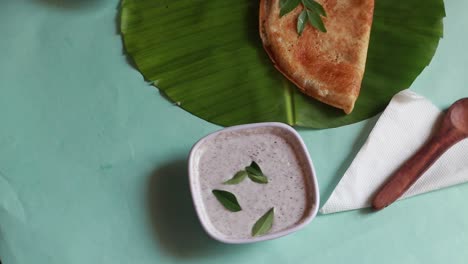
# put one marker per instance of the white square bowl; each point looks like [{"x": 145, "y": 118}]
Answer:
[{"x": 292, "y": 137}]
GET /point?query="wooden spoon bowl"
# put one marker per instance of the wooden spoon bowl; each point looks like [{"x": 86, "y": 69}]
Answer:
[
  {"x": 459, "y": 115},
  {"x": 453, "y": 129}
]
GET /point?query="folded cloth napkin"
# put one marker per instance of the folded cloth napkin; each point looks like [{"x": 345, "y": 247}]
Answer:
[{"x": 404, "y": 126}]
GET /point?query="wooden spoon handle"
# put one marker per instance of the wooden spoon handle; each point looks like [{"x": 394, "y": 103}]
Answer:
[{"x": 413, "y": 168}]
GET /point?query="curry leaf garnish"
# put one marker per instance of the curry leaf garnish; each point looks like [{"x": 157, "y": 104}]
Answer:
[
  {"x": 228, "y": 200},
  {"x": 316, "y": 21},
  {"x": 237, "y": 178},
  {"x": 264, "y": 224},
  {"x": 255, "y": 173},
  {"x": 312, "y": 5},
  {"x": 312, "y": 12},
  {"x": 301, "y": 22},
  {"x": 287, "y": 6}
]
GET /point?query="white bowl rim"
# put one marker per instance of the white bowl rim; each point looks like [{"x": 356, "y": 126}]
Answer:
[{"x": 195, "y": 193}]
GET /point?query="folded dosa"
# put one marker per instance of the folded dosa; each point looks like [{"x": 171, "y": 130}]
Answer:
[{"x": 326, "y": 66}]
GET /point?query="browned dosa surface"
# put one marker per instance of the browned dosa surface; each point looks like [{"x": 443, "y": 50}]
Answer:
[{"x": 326, "y": 66}]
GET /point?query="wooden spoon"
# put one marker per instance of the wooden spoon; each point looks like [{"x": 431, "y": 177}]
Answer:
[{"x": 454, "y": 128}]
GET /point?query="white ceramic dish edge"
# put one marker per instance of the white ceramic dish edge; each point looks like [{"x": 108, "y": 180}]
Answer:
[{"x": 196, "y": 199}]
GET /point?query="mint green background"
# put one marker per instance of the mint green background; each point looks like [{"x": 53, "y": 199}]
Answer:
[{"x": 93, "y": 170}]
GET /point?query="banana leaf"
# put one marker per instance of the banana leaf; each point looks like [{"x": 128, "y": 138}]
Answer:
[{"x": 207, "y": 57}]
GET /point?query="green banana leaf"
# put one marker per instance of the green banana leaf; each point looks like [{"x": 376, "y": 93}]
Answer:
[{"x": 207, "y": 57}]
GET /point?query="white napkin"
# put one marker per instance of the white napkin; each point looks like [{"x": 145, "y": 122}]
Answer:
[{"x": 401, "y": 130}]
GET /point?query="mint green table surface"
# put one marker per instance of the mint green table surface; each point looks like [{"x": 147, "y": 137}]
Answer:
[{"x": 93, "y": 159}]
